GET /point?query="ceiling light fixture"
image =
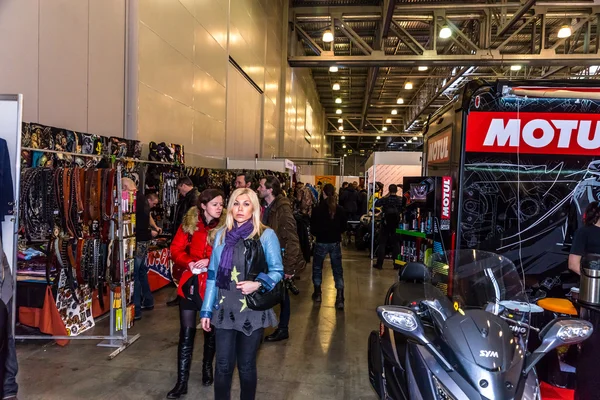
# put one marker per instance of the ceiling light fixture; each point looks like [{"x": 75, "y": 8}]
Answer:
[
  {"x": 333, "y": 68},
  {"x": 338, "y": 100},
  {"x": 345, "y": 155},
  {"x": 378, "y": 137},
  {"x": 394, "y": 112},
  {"x": 338, "y": 111},
  {"x": 327, "y": 36},
  {"x": 336, "y": 86},
  {"x": 340, "y": 120},
  {"x": 343, "y": 137},
  {"x": 414, "y": 138},
  {"x": 445, "y": 32},
  {"x": 409, "y": 140},
  {"x": 343, "y": 146},
  {"x": 400, "y": 100},
  {"x": 384, "y": 128},
  {"x": 564, "y": 32},
  {"x": 388, "y": 121},
  {"x": 408, "y": 85},
  {"x": 404, "y": 144},
  {"x": 340, "y": 128},
  {"x": 515, "y": 67},
  {"x": 423, "y": 68}
]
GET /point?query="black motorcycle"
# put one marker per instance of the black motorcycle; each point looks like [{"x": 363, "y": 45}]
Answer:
[{"x": 474, "y": 347}]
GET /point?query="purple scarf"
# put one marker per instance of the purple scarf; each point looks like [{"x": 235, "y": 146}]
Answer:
[{"x": 226, "y": 265}]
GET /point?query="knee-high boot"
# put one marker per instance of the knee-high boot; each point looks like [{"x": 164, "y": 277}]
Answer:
[
  {"x": 209, "y": 355},
  {"x": 184, "y": 361}
]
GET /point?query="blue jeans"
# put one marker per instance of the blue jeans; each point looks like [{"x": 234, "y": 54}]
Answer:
[
  {"x": 141, "y": 287},
  {"x": 233, "y": 348},
  {"x": 335, "y": 253}
]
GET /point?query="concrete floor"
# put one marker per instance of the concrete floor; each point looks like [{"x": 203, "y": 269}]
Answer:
[{"x": 325, "y": 357}]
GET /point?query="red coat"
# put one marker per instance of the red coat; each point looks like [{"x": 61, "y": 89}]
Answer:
[{"x": 190, "y": 244}]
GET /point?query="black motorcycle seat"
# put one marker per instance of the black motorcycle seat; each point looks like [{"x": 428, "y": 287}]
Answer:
[{"x": 414, "y": 271}]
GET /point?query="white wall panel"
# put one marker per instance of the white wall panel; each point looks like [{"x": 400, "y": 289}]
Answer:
[
  {"x": 209, "y": 95},
  {"x": 106, "y": 80},
  {"x": 213, "y": 15},
  {"x": 63, "y": 64},
  {"x": 171, "y": 21},
  {"x": 19, "y": 33},
  {"x": 163, "y": 119},
  {"x": 210, "y": 56},
  {"x": 163, "y": 68}
]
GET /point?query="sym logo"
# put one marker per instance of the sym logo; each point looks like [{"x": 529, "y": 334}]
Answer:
[{"x": 488, "y": 354}]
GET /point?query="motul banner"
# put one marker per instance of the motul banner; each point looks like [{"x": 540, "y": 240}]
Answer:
[
  {"x": 446, "y": 209},
  {"x": 438, "y": 147},
  {"x": 533, "y": 133}
]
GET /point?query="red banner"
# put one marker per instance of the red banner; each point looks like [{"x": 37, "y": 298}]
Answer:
[{"x": 533, "y": 133}]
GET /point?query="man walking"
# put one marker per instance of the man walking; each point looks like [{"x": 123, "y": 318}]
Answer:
[
  {"x": 392, "y": 207},
  {"x": 278, "y": 215}
]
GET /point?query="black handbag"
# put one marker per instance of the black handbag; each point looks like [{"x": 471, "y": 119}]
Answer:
[{"x": 256, "y": 263}]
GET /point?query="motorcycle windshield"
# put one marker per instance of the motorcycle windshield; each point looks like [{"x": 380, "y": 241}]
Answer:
[{"x": 475, "y": 279}]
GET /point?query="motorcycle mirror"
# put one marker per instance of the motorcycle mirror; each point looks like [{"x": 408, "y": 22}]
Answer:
[
  {"x": 559, "y": 332},
  {"x": 403, "y": 320}
]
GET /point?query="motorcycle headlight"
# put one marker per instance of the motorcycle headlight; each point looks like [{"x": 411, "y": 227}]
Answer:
[{"x": 440, "y": 390}]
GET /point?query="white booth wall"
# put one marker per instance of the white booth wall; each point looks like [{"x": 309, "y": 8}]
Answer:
[{"x": 392, "y": 166}]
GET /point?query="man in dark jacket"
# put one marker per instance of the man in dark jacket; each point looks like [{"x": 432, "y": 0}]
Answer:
[
  {"x": 278, "y": 215},
  {"x": 363, "y": 199},
  {"x": 392, "y": 207},
  {"x": 188, "y": 197},
  {"x": 349, "y": 201}
]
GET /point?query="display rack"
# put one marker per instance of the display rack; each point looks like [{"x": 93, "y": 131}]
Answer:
[{"x": 119, "y": 339}]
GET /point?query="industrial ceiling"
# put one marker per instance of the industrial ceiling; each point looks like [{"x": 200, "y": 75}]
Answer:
[{"x": 400, "y": 60}]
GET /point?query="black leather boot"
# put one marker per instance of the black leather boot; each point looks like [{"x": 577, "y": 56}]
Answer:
[
  {"x": 339, "y": 299},
  {"x": 278, "y": 335},
  {"x": 316, "y": 296},
  {"x": 209, "y": 355},
  {"x": 184, "y": 361}
]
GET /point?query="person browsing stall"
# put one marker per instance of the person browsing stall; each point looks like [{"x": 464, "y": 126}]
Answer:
[
  {"x": 392, "y": 207},
  {"x": 191, "y": 250},
  {"x": 278, "y": 215},
  {"x": 586, "y": 244},
  {"x": 142, "y": 295},
  {"x": 587, "y": 238},
  {"x": 243, "y": 180},
  {"x": 243, "y": 246}
]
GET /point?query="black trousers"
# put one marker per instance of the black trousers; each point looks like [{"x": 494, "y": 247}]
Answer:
[
  {"x": 286, "y": 311},
  {"x": 4, "y": 329},
  {"x": 387, "y": 234},
  {"x": 588, "y": 384},
  {"x": 235, "y": 347}
]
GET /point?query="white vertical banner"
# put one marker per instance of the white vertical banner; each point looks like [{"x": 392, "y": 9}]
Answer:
[{"x": 11, "y": 118}]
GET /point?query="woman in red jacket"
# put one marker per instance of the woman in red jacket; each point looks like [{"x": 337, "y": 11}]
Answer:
[{"x": 190, "y": 252}]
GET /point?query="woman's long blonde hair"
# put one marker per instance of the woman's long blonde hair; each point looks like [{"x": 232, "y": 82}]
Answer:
[{"x": 229, "y": 220}]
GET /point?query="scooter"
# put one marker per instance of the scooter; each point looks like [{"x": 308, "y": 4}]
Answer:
[{"x": 474, "y": 347}]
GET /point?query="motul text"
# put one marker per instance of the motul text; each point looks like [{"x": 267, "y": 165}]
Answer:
[
  {"x": 534, "y": 133},
  {"x": 438, "y": 148}
]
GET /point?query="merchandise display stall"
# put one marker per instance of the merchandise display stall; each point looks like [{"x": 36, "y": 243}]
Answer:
[
  {"x": 76, "y": 233},
  {"x": 389, "y": 168},
  {"x": 282, "y": 168}
]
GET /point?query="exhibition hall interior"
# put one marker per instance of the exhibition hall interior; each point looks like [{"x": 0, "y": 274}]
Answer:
[{"x": 300, "y": 199}]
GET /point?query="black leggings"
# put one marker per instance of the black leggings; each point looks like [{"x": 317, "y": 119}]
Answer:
[{"x": 188, "y": 313}]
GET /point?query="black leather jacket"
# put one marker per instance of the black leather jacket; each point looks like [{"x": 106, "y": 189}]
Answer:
[{"x": 183, "y": 205}]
